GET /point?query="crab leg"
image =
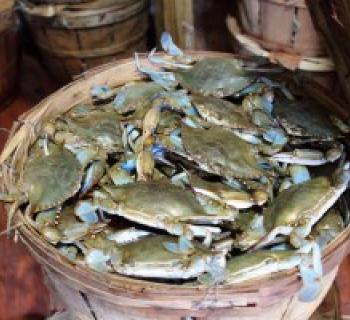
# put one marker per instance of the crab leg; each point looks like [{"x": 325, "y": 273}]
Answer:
[
  {"x": 175, "y": 53},
  {"x": 310, "y": 274},
  {"x": 301, "y": 156},
  {"x": 128, "y": 235},
  {"x": 299, "y": 174}
]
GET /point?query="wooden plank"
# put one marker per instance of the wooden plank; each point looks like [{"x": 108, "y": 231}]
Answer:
[
  {"x": 272, "y": 12},
  {"x": 306, "y": 38},
  {"x": 198, "y": 25},
  {"x": 178, "y": 20}
]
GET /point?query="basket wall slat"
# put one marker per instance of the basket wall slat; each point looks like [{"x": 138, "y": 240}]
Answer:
[
  {"x": 288, "y": 308},
  {"x": 250, "y": 16},
  {"x": 271, "y": 14},
  {"x": 306, "y": 40}
]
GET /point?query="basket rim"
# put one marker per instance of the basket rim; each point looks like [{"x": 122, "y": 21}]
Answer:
[{"x": 51, "y": 257}]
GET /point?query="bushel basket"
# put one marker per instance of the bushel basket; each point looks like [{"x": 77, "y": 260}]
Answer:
[{"x": 90, "y": 295}]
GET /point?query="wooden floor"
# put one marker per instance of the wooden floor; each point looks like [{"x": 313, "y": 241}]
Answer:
[{"x": 22, "y": 292}]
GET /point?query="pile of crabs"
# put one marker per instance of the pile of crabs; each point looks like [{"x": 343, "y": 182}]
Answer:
[{"x": 207, "y": 173}]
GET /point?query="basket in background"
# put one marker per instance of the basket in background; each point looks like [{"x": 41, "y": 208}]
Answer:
[
  {"x": 280, "y": 25},
  {"x": 73, "y": 38},
  {"x": 281, "y": 31}
]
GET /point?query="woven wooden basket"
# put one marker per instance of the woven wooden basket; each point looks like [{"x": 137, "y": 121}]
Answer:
[
  {"x": 280, "y": 25},
  {"x": 9, "y": 51},
  {"x": 321, "y": 69},
  {"x": 73, "y": 38},
  {"x": 91, "y": 295}
]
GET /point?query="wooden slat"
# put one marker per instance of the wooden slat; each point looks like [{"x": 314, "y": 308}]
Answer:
[{"x": 178, "y": 20}]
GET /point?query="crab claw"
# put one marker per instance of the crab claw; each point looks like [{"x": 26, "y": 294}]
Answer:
[
  {"x": 145, "y": 165},
  {"x": 97, "y": 260},
  {"x": 92, "y": 176},
  {"x": 167, "y": 62},
  {"x": 335, "y": 153},
  {"x": 176, "y": 59},
  {"x": 306, "y": 157},
  {"x": 217, "y": 268},
  {"x": 184, "y": 245},
  {"x": 311, "y": 287},
  {"x": 165, "y": 79},
  {"x": 340, "y": 124},
  {"x": 275, "y": 136},
  {"x": 86, "y": 211},
  {"x": 299, "y": 174},
  {"x": 310, "y": 272},
  {"x": 169, "y": 46}
]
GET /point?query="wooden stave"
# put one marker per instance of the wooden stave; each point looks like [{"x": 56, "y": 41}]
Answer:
[{"x": 256, "y": 21}]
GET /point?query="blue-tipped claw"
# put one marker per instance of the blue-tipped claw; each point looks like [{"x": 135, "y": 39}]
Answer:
[{"x": 169, "y": 46}]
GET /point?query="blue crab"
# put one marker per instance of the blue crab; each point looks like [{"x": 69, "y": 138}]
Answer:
[
  {"x": 220, "y": 151},
  {"x": 295, "y": 210},
  {"x": 251, "y": 266},
  {"x": 160, "y": 205},
  {"x": 214, "y": 76},
  {"x": 51, "y": 176}
]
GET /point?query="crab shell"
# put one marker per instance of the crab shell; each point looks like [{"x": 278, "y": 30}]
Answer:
[
  {"x": 150, "y": 259},
  {"x": 219, "y": 77},
  {"x": 101, "y": 128},
  {"x": 295, "y": 210},
  {"x": 49, "y": 180},
  {"x": 160, "y": 201},
  {"x": 220, "y": 151},
  {"x": 259, "y": 263},
  {"x": 161, "y": 205},
  {"x": 222, "y": 113},
  {"x": 135, "y": 96},
  {"x": 304, "y": 119}
]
